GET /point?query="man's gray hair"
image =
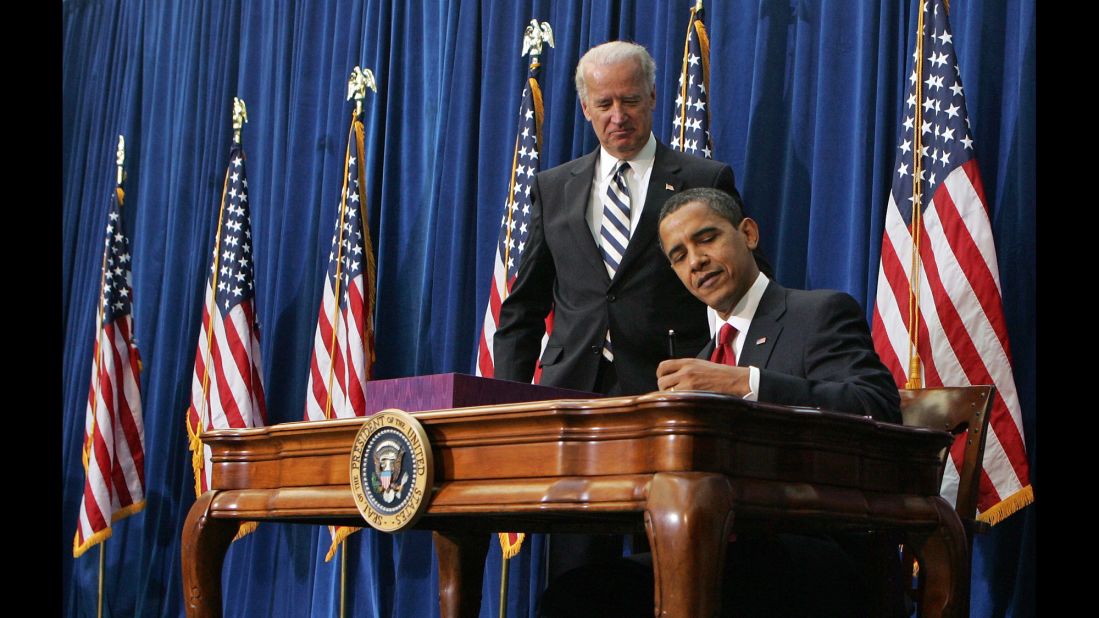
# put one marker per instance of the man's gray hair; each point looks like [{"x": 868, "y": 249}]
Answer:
[{"x": 614, "y": 52}]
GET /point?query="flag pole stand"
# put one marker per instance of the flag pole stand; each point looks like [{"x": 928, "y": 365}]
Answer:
[
  {"x": 343, "y": 576},
  {"x": 99, "y": 599},
  {"x": 504, "y": 563}
]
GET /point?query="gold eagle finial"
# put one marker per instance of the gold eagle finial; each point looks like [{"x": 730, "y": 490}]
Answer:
[
  {"x": 240, "y": 116},
  {"x": 535, "y": 35},
  {"x": 357, "y": 84}
]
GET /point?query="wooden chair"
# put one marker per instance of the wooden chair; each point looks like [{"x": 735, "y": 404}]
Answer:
[
  {"x": 955, "y": 409},
  {"x": 958, "y": 410}
]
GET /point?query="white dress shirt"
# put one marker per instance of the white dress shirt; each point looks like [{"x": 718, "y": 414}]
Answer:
[
  {"x": 741, "y": 319},
  {"x": 641, "y": 168}
]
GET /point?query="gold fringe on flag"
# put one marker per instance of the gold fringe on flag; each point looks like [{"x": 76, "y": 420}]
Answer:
[
  {"x": 339, "y": 535},
  {"x": 246, "y": 528},
  {"x": 1007, "y": 506},
  {"x": 511, "y": 543}
]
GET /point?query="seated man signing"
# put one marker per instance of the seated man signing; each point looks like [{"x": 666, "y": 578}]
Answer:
[
  {"x": 772, "y": 344},
  {"x": 775, "y": 345}
]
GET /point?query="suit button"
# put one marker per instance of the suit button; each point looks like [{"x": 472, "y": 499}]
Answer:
[
  {"x": 595, "y": 349},
  {"x": 611, "y": 298}
]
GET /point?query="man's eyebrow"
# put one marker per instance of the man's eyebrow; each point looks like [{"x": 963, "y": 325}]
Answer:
[{"x": 703, "y": 231}]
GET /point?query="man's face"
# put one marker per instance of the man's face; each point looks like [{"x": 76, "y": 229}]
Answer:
[
  {"x": 710, "y": 256},
  {"x": 619, "y": 107}
]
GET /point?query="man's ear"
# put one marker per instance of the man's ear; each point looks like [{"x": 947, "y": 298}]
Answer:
[
  {"x": 750, "y": 229},
  {"x": 584, "y": 108}
]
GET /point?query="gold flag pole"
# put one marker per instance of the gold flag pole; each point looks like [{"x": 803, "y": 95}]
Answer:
[
  {"x": 343, "y": 577},
  {"x": 535, "y": 36},
  {"x": 914, "y": 377},
  {"x": 240, "y": 116},
  {"x": 357, "y": 84},
  {"x": 99, "y": 599}
]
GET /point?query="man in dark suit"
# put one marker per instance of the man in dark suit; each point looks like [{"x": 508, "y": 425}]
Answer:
[
  {"x": 592, "y": 254},
  {"x": 790, "y": 347},
  {"x": 782, "y": 346}
]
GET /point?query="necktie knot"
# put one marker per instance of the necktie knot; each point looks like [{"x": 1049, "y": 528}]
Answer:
[
  {"x": 621, "y": 169},
  {"x": 725, "y": 336}
]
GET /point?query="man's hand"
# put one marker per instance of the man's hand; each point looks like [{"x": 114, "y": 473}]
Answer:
[{"x": 695, "y": 374}]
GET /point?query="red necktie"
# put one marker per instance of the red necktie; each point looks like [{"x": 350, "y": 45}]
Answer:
[{"x": 723, "y": 351}]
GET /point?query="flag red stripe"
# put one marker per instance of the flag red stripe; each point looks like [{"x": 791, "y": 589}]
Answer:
[
  {"x": 884, "y": 350},
  {"x": 113, "y": 360},
  {"x": 258, "y": 398},
  {"x": 972, "y": 263},
  {"x": 128, "y": 415},
  {"x": 973, "y": 362},
  {"x": 95, "y": 517},
  {"x": 484, "y": 359},
  {"x": 355, "y": 387},
  {"x": 897, "y": 280},
  {"x": 240, "y": 346},
  {"x": 897, "y": 284},
  {"x": 228, "y": 404}
]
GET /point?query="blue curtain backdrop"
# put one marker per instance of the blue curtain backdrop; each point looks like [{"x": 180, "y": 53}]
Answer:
[{"x": 805, "y": 100}]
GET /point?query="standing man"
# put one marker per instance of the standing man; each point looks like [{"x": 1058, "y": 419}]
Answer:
[{"x": 592, "y": 254}]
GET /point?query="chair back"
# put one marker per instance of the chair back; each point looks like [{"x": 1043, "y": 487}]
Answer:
[{"x": 958, "y": 410}]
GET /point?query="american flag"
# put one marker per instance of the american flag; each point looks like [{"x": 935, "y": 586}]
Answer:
[
  {"x": 227, "y": 386},
  {"x": 114, "y": 436},
  {"x": 691, "y": 124},
  {"x": 515, "y": 222},
  {"x": 961, "y": 336},
  {"x": 514, "y": 226},
  {"x": 343, "y": 347}
]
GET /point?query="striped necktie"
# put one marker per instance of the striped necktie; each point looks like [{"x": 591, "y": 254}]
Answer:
[{"x": 614, "y": 231}]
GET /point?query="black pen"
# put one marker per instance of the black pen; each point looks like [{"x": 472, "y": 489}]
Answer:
[{"x": 671, "y": 343}]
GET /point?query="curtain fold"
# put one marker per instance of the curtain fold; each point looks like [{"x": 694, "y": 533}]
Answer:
[{"x": 805, "y": 105}]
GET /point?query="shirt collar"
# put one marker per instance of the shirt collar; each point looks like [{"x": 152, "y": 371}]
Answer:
[
  {"x": 639, "y": 164},
  {"x": 744, "y": 311}
]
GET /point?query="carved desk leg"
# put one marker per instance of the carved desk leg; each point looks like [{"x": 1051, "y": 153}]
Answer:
[
  {"x": 944, "y": 564},
  {"x": 461, "y": 568},
  {"x": 205, "y": 540},
  {"x": 688, "y": 517}
]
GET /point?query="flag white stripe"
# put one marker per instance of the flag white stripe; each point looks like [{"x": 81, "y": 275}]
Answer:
[{"x": 975, "y": 218}]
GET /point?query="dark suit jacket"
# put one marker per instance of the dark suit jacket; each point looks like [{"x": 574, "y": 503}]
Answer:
[
  {"x": 563, "y": 269},
  {"x": 813, "y": 348}
]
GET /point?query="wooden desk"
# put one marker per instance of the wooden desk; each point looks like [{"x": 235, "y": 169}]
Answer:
[{"x": 688, "y": 467}]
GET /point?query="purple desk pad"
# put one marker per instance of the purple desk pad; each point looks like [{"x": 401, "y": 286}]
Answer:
[{"x": 456, "y": 390}]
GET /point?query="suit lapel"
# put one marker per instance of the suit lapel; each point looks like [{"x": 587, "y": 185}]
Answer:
[
  {"x": 707, "y": 351},
  {"x": 664, "y": 181},
  {"x": 765, "y": 329},
  {"x": 577, "y": 194}
]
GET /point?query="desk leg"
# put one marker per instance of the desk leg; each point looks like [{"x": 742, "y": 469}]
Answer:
[
  {"x": 461, "y": 569},
  {"x": 688, "y": 517},
  {"x": 944, "y": 564},
  {"x": 205, "y": 540}
]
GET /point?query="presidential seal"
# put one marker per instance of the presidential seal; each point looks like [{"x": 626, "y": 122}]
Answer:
[{"x": 391, "y": 470}]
